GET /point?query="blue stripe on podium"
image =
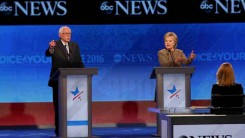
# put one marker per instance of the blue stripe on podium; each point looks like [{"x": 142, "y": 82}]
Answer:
[{"x": 77, "y": 123}]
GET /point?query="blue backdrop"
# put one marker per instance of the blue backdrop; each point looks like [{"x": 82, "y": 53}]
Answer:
[{"x": 124, "y": 54}]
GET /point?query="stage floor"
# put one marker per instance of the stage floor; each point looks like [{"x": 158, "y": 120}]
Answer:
[{"x": 98, "y": 132}]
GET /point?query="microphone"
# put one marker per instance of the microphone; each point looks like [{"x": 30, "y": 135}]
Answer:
[{"x": 169, "y": 51}]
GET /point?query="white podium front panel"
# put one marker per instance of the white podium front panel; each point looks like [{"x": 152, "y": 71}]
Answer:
[
  {"x": 77, "y": 106},
  {"x": 174, "y": 90}
]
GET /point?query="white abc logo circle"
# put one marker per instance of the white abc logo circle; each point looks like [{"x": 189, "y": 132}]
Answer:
[
  {"x": 206, "y": 6},
  {"x": 4, "y": 8},
  {"x": 104, "y": 7}
]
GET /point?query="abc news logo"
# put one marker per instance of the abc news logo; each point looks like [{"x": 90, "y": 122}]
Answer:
[
  {"x": 5, "y": 8},
  {"x": 106, "y": 7},
  {"x": 135, "y": 58},
  {"x": 134, "y": 7},
  {"x": 206, "y": 6},
  {"x": 207, "y": 136},
  {"x": 34, "y": 8},
  {"x": 223, "y": 6}
]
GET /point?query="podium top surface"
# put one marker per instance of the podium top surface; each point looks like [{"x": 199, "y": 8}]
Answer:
[
  {"x": 180, "y": 110},
  {"x": 74, "y": 71},
  {"x": 171, "y": 70}
]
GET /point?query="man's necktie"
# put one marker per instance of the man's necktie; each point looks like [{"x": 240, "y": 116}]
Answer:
[{"x": 67, "y": 49}]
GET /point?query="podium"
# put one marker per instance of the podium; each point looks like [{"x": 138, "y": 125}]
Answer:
[
  {"x": 173, "y": 89},
  {"x": 75, "y": 101}
]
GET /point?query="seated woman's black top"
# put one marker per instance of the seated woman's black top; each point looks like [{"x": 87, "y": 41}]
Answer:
[
  {"x": 235, "y": 89},
  {"x": 227, "y": 99}
]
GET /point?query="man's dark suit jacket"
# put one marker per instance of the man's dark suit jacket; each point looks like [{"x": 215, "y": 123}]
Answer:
[{"x": 61, "y": 59}]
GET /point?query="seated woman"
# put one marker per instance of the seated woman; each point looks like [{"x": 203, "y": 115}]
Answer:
[{"x": 227, "y": 95}]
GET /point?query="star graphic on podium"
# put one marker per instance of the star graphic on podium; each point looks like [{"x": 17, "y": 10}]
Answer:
[
  {"x": 174, "y": 92},
  {"x": 77, "y": 94}
]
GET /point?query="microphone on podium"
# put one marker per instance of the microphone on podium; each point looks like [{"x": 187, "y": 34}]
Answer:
[{"x": 169, "y": 51}]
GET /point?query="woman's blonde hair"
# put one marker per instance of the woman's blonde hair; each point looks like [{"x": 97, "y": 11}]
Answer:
[
  {"x": 225, "y": 75},
  {"x": 171, "y": 34}
]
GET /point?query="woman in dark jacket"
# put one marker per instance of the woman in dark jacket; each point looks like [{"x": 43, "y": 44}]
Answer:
[{"x": 227, "y": 95}]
